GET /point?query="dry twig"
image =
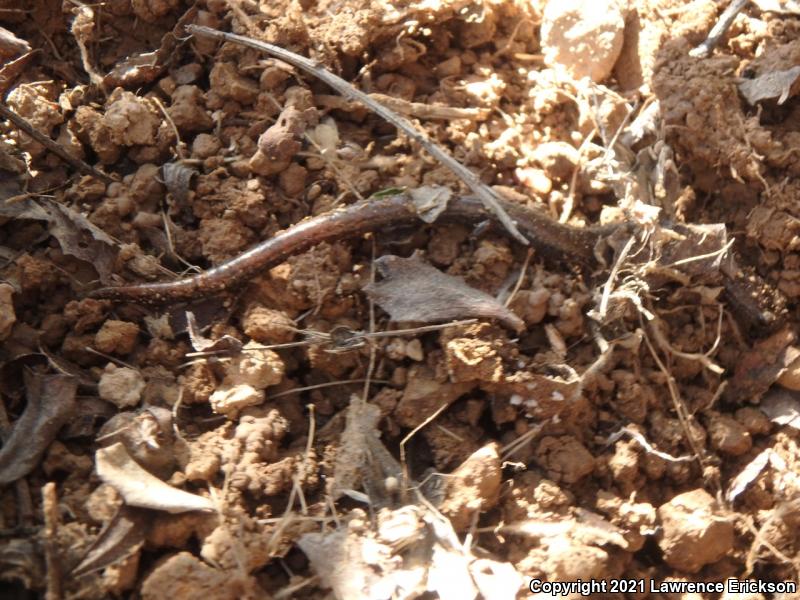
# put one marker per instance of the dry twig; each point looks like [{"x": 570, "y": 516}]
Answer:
[
  {"x": 488, "y": 196},
  {"x": 45, "y": 141}
]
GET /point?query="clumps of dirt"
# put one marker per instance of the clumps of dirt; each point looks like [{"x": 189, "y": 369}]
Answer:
[
  {"x": 694, "y": 531},
  {"x": 245, "y": 379},
  {"x": 584, "y": 440},
  {"x": 585, "y": 40}
]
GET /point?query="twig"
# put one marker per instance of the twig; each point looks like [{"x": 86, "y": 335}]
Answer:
[
  {"x": 642, "y": 441},
  {"x": 50, "y": 510},
  {"x": 520, "y": 279},
  {"x": 489, "y": 197},
  {"x": 719, "y": 29},
  {"x": 45, "y": 141}
]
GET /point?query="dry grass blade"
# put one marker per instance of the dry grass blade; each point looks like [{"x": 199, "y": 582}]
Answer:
[{"x": 488, "y": 196}]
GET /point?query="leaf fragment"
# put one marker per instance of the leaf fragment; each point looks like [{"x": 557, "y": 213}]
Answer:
[
  {"x": 51, "y": 403},
  {"x": 771, "y": 85},
  {"x": 415, "y": 291},
  {"x": 139, "y": 488}
]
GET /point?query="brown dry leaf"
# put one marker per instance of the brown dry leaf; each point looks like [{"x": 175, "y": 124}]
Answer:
[
  {"x": 362, "y": 459},
  {"x": 122, "y": 536},
  {"x": 139, "y": 488},
  {"x": 748, "y": 475},
  {"x": 77, "y": 235},
  {"x": 51, "y": 403},
  {"x": 140, "y": 69},
  {"x": 782, "y": 407},
  {"x": 759, "y": 368},
  {"x": 776, "y": 84},
  {"x": 415, "y": 291},
  {"x": 700, "y": 250}
]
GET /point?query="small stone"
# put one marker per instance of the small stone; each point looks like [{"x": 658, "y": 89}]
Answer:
[
  {"x": 755, "y": 421},
  {"x": 558, "y": 159},
  {"x": 205, "y": 145},
  {"x": 729, "y": 436},
  {"x": 473, "y": 487},
  {"x": 565, "y": 458},
  {"x": 116, "y": 337},
  {"x": 584, "y": 38},
  {"x": 121, "y": 386},
  {"x": 694, "y": 533},
  {"x": 268, "y": 326}
]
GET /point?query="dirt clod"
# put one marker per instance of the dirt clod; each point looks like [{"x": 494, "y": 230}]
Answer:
[{"x": 694, "y": 531}]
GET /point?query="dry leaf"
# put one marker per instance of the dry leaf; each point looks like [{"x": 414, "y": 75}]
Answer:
[
  {"x": 51, "y": 403},
  {"x": 140, "y": 69},
  {"x": 77, "y": 235},
  {"x": 430, "y": 201},
  {"x": 227, "y": 343},
  {"x": 139, "y": 488},
  {"x": 782, "y": 407},
  {"x": 759, "y": 368},
  {"x": 775, "y": 84},
  {"x": 178, "y": 179},
  {"x": 9, "y": 71},
  {"x": 496, "y": 580},
  {"x": 362, "y": 459},
  {"x": 747, "y": 475},
  {"x": 123, "y": 535},
  {"x": 415, "y": 291}
]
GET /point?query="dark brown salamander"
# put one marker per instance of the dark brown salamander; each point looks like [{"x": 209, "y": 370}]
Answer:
[{"x": 559, "y": 240}]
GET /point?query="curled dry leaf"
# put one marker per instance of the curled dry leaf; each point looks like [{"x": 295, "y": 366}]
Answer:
[
  {"x": 227, "y": 343},
  {"x": 77, "y": 236},
  {"x": 178, "y": 178},
  {"x": 123, "y": 535},
  {"x": 782, "y": 407},
  {"x": 415, "y": 291},
  {"x": 775, "y": 84},
  {"x": 139, "y": 488},
  {"x": 51, "y": 403}
]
